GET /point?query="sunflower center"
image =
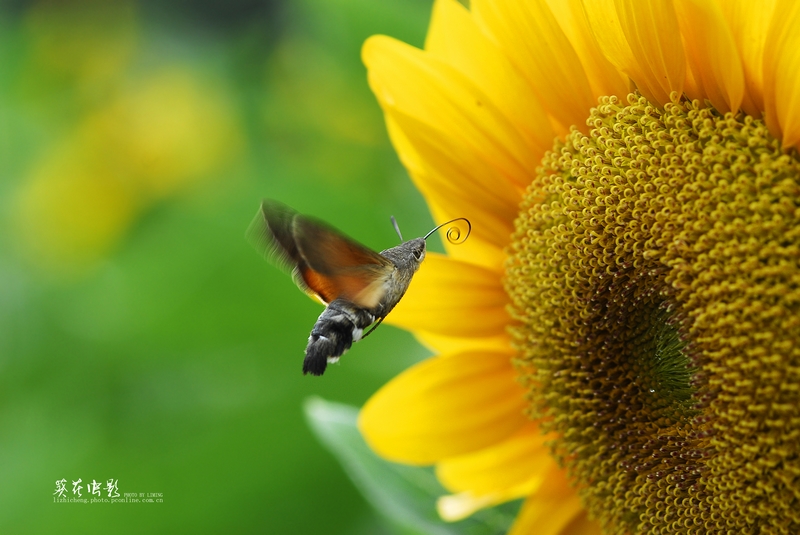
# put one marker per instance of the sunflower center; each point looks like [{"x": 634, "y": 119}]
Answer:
[{"x": 655, "y": 281}]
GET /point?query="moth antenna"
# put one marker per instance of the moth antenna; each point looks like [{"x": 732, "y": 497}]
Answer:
[
  {"x": 453, "y": 233},
  {"x": 369, "y": 332},
  {"x": 396, "y": 227}
]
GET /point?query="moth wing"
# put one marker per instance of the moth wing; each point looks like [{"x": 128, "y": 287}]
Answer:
[
  {"x": 338, "y": 266},
  {"x": 271, "y": 235},
  {"x": 323, "y": 262}
]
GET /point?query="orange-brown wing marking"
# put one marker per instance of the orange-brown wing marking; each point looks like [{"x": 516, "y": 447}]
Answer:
[
  {"x": 364, "y": 289},
  {"x": 318, "y": 284},
  {"x": 271, "y": 234},
  {"x": 323, "y": 262},
  {"x": 337, "y": 266}
]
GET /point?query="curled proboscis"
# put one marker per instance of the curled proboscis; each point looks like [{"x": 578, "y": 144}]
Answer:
[{"x": 454, "y": 233}]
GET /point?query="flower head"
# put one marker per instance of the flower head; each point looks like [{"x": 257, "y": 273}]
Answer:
[{"x": 617, "y": 343}]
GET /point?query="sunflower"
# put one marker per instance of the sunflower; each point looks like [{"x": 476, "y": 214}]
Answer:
[{"x": 618, "y": 342}]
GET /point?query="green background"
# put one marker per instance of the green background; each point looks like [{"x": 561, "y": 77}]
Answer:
[{"x": 156, "y": 347}]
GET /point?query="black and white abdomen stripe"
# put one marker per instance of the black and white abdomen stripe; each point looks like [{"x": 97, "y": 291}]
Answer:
[{"x": 338, "y": 327}]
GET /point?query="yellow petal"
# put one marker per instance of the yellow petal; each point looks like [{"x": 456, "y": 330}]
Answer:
[
  {"x": 782, "y": 73},
  {"x": 453, "y": 344},
  {"x": 602, "y": 18},
  {"x": 461, "y": 151},
  {"x": 604, "y": 78},
  {"x": 528, "y": 33},
  {"x": 455, "y": 38},
  {"x": 453, "y": 298},
  {"x": 420, "y": 86},
  {"x": 455, "y": 507},
  {"x": 642, "y": 40},
  {"x": 551, "y": 509},
  {"x": 519, "y": 462},
  {"x": 445, "y": 406},
  {"x": 749, "y": 22},
  {"x": 711, "y": 53},
  {"x": 454, "y": 180},
  {"x": 652, "y": 29}
]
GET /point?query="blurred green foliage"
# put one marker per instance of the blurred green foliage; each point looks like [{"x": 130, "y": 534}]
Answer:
[
  {"x": 141, "y": 338},
  {"x": 406, "y": 496}
]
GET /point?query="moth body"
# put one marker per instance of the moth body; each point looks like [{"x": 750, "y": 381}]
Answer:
[
  {"x": 342, "y": 323},
  {"x": 358, "y": 285}
]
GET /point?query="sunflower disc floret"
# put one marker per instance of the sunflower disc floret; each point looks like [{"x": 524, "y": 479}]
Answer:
[{"x": 655, "y": 281}]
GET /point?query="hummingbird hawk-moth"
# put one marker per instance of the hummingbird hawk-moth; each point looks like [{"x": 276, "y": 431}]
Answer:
[{"x": 358, "y": 285}]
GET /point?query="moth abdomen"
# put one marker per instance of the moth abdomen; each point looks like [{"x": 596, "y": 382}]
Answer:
[{"x": 338, "y": 327}]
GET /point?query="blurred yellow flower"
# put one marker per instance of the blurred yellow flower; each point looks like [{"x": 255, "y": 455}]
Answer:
[
  {"x": 158, "y": 138},
  {"x": 618, "y": 339}
]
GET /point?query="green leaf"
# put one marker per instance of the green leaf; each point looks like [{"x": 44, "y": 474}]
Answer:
[{"x": 405, "y": 495}]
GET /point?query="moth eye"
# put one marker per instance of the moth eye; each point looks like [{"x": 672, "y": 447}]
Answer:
[{"x": 418, "y": 254}]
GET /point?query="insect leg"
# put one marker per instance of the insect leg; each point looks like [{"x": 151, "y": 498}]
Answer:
[{"x": 369, "y": 332}]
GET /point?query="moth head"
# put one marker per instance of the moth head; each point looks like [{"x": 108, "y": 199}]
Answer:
[
  {"x": 411, "y": 253},
  {"x": 408, "y": 255}
]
